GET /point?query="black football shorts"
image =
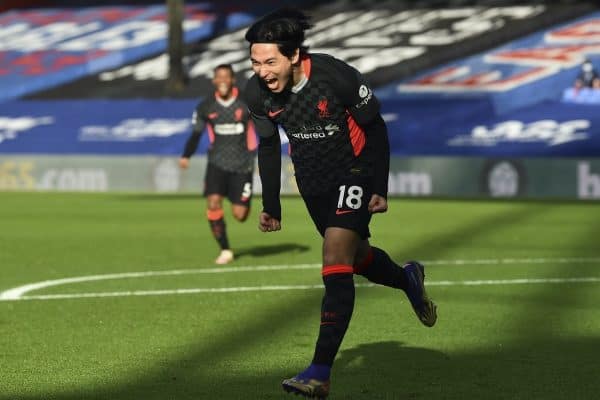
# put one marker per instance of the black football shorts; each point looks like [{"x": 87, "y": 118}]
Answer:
[
  {"x": 237, "y": 187},
  {"x": 346, "y": 206}
]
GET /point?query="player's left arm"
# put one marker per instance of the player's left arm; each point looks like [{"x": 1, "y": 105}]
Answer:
[
  {"x": 376, "y": 132},
  {"x": 364, "y": 107}
]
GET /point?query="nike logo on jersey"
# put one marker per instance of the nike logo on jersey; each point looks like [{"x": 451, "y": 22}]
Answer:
[
  {"x": 273, "y": 114},
  {"x": 341, "y": 212},
  {"x": 213, "y": 115}
]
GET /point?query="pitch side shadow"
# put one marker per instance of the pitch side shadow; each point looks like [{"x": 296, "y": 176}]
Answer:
[{"x": 269, "y": 250}]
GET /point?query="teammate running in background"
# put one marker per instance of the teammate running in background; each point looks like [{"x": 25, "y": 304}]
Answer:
[
  {"x": 230, "y": 157},
  {"x": 340, "y": 150}
]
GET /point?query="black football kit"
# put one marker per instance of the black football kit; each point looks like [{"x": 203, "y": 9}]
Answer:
[
  {"x": 232, "y": 150},
  {"x": 340, "y": 151},
  {"x": 338, "y": 142}
]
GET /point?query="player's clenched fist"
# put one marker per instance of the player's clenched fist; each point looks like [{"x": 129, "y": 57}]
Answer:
[
  {"x": 378, "y": 204},
  {"x": 266, "y": 223},
  {"x": 184, "y": 163}
]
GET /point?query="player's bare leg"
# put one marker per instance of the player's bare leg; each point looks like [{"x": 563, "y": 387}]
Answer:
[{"x": 240, "y": 212}]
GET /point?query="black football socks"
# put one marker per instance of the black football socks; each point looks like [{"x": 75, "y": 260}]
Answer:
[
  {"x": 336, "y": 311},
  {"x": 379, "y": 268},
  {"x": 219, "y": 231}
]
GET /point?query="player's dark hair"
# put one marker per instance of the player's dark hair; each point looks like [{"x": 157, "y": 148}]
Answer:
[
  {"x": 225, "y": 66},
  {"x": 284, "y": 27}
]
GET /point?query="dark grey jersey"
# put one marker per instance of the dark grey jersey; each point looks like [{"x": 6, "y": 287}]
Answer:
[
  {"x": 323, "y": 118},
  {"x": 230, "y": 130}
]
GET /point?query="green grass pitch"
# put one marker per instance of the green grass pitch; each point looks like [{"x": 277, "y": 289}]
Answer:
[{"x": 517, "y": 285}]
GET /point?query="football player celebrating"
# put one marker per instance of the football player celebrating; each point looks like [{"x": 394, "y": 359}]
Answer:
[{"x": 340, "y": 151}]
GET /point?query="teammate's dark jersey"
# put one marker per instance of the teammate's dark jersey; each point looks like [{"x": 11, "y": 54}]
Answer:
[
  {"x": 328, "y": 119},
  {"x": 230, "y": 130}
]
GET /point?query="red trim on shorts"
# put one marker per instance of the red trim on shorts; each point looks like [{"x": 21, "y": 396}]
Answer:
[
  {"x": 336, "y": 269},
  {"x": 360, "y": 268},
  {"x": 215, "y": 215},
  {"x": 357, "y": 135}
]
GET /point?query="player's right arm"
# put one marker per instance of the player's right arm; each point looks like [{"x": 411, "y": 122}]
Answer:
[
  {"x": 364, "y": 108},
  {"x": 266, "y": 223},
  {"x": 191, "y": 145},
  {"x": 269, "y": 159}
]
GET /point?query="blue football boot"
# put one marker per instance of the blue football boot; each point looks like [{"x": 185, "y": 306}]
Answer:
[{"x": 425, "y": 309}]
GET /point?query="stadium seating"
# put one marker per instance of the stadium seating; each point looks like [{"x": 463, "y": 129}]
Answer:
[{"x": 460, "y": 82}]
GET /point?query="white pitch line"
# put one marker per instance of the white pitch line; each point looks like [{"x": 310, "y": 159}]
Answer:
[
  {"x": 522, "y": 281},
  {"x": 293, "y": 287},
  {"x": 493, "y": 261},
  {"x": 18, "y": 292},
  {"x": 15, "y": 293}
]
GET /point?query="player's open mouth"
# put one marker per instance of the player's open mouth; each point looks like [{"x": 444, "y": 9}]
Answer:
[{"x": 270, "y": 82}]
